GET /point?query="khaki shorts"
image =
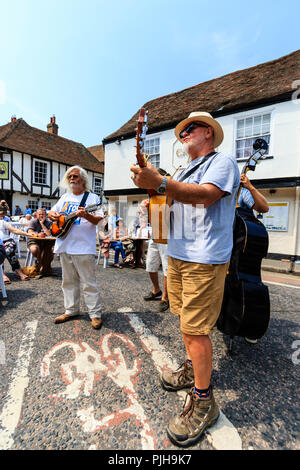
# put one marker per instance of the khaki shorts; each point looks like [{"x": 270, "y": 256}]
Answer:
[{"x": 195, "y": 293}]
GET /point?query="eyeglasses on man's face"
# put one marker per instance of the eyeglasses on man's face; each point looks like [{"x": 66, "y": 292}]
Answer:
[
  {"x": 190, "y": 128},
  {"x": 73, "y": 176}
]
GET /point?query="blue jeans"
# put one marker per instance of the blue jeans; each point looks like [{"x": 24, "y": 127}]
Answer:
[{"x": 118, "y": 247}]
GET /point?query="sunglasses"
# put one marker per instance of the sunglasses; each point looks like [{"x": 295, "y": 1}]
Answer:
[
  {"x": 73, "y": 176},
  {"x": 190, "y": 128}
]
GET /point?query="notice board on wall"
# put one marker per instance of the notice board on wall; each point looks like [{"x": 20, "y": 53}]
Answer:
[{"x": 277, "y": 219}]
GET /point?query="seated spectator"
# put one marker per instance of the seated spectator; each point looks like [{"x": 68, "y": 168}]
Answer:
[
  {"x": 9, "y": 246},
  {"x": 120, "y": 232},
  {"x": 108, "y": 240},
  {"x": 104, "y": 236},
  {"x": 26, "y": 220},
  {"x": 38, "y": 228}
]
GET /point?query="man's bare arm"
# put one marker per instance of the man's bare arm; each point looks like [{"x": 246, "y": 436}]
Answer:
[{"x": 149, "y": 178}]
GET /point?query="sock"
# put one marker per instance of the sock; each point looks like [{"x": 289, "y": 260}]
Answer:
[
  {"x": 202, "y": 393},
  {"x": 189, "y": 362}
]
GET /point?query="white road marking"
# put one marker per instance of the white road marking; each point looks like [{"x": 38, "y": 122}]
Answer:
[
  {"x": 12, "y": 408},
  {"x": 281, "y": 284},
  {"x": 223, "y": 435}
]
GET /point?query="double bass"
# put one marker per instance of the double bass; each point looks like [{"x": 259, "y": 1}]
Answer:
[{"x": 246, "y": 303}]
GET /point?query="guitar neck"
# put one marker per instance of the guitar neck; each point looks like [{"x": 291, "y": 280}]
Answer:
[
  {"x": 140, "y": 137},
  {"x": 88, "y": 209}
]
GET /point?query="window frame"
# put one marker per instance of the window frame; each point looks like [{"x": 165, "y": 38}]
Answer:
[
  {"x": 101, "y": 185},
  {"x": 34, "y": 182},
  {"x": 153, "y": 137},
  {"x": 36, "y": 202},
  {"x": 253, "y": 114}
]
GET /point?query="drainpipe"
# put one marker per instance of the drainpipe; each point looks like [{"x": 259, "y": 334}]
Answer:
[{"x": 296, "y": 220}]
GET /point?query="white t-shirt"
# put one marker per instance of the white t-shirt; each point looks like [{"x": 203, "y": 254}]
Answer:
[
  {"x": 4, "y": 232},
  {"x": 81, "y": 239}
]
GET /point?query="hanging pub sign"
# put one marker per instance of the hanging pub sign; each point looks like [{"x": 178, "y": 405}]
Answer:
[{"x": 4, "y": 170}]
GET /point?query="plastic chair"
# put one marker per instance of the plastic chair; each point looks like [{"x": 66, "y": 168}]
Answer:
[
  {"x": 105, "y": 260},
  {"x": 29, "y": 258},
  {"x": 4, "y": 295}
]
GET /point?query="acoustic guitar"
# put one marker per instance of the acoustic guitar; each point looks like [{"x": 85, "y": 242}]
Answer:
[
  {"x": 63, "y": 225},
  {"x": 158, "y": 208}
]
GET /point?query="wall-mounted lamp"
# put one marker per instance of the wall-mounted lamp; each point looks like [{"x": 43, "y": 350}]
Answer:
[{"x": 119, "y": 140}]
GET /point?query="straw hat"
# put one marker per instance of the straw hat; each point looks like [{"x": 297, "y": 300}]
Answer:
[{"x": 206, "y": 118}]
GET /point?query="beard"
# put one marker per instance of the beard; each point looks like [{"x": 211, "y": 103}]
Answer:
[{"x": 185, "y": 148}]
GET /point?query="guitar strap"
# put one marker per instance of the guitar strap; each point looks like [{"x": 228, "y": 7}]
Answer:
[
  {"x": 84, "y": 198},
  {"x": 204, "y": 159}
]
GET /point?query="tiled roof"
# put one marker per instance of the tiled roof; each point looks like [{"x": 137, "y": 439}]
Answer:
[
  {"x": 241, "y": 89},
  {"x": 98, "y": 152},
  {"x": 19, "y": 136}
]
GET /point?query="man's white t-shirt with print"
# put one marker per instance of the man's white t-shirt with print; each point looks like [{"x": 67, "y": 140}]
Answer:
[{"x": 81, "y": 239}]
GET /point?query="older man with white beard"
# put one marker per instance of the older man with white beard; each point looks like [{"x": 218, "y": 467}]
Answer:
[
  {"x": 204, "y": 198},
  {"x": 77, "y": 250}
]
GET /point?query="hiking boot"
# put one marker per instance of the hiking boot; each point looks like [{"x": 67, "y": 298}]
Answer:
[
  {"x": 251, "y": 340},
  {"x": 163, "y": 305},
  {"x": 96, "y": 323},
  {"x": 198, "y": 414},
  {"x": 183, "y": 377}
]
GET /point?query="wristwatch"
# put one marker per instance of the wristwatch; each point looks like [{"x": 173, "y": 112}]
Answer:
[{"x": 162, "y": 187}]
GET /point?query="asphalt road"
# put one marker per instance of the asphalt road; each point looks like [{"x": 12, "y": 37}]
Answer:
[{"x": 71, "y": 387}]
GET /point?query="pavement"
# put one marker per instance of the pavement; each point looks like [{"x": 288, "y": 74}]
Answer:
[
  {"x": 280, "y": 278},
  {"x": 70, "y": 387}
]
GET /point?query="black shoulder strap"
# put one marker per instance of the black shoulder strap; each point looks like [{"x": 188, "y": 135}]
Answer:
[
  {"x": 84, "y": 198},
  {"x": 204, "y": 159}
]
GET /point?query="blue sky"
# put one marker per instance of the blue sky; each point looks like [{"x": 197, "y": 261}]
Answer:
[{"x": 93, "y": 64}]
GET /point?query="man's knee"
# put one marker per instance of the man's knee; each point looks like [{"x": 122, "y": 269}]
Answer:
[{"x": 34, "y": 250}]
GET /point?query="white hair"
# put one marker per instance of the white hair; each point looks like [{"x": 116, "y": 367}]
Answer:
[{"x": 64, "y": 184}]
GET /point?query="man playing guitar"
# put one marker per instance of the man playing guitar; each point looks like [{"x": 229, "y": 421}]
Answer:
[
  {"x": 199, "y": 247},
  {"x": 77, "y": 250}
]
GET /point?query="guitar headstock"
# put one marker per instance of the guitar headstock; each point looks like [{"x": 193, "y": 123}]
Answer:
[
  {"x": 260, "y": 148},
  {"x": 140, "y": 136}
]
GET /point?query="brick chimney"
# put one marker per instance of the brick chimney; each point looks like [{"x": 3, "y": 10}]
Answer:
[{"x": 52, "y": 127}]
